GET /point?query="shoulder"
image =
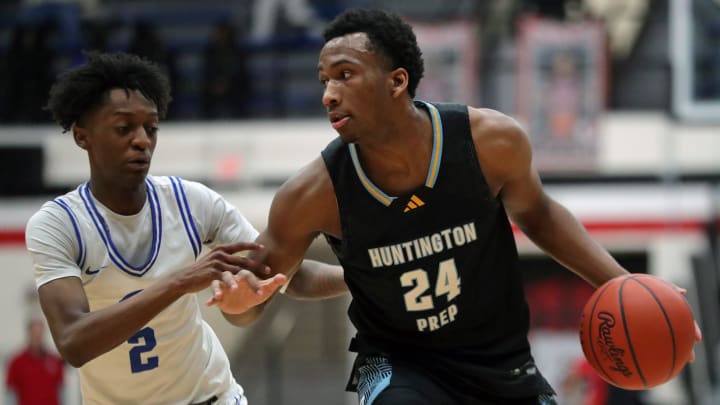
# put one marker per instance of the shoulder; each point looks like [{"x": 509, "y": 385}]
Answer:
[
  {"x": 52, "y": 214},
  {"x": 53, "y": 227},
  {"x": 181, "y": 188},
  {"x": 307, "y": 197},
  {"x": 493, "y": 129},
  {"x": 501, "y": 144},
  {"x": 310, "y": 183}
]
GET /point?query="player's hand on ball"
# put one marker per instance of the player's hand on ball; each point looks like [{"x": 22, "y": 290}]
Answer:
[
  {"x": 242, "y": 291},
  {"x": 698, "y": 331}
]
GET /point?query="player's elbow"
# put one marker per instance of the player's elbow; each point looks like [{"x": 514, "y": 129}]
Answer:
[
  {"x": 300, "y": 285},
  {"x": 318, "y": 282},
  {"x": 76, "y": 363},
  {"x": 76, "y": 358},
  {"x": 74, "y": 353}
]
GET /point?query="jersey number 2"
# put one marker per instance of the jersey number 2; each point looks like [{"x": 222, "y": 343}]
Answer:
[
  {"x": 448, "y": 283},
  {"x": 137, "y": 364}
]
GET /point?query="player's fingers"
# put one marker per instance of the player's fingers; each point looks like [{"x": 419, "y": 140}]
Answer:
[
  {"x": 233, "y": 248},
  {"x": 216, "y": 293},
  {"x": 682, "y": 290},
  {"x": 273, "y": 283},
  {"x": 228, "y": 280},
  {"x": 249, "y": 278},
  {"x": 255, "y": 266},
  {"x": 229, "y": 264},
  {"x": 698, "y": 332},
  {"x": 216, "y": 287},
  {"x": 278, "y": 279},
  {"x": 211, "y": 301}
]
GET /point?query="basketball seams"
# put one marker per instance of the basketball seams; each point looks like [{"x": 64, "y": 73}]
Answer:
[
  {"x": 592, "y": 346},
  {"x": 667, "y": 320},
  {"x": 627, "y": 331},
  {"x": 605, "y": 350}
]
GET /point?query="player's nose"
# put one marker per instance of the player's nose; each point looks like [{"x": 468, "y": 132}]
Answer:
[{"x": 331, "y": 95}]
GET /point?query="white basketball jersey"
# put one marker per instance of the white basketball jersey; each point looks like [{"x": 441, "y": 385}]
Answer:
[{"x": 176, "y": 358}]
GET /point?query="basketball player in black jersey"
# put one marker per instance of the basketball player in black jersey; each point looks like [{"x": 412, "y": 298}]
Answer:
[{"x": 414, "y": 199}]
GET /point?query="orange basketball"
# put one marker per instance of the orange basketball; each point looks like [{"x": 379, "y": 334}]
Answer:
[{"x": 637, "y": 331}]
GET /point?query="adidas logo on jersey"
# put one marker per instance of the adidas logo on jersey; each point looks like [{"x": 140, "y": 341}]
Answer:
[{"x": 414, "y": 202}]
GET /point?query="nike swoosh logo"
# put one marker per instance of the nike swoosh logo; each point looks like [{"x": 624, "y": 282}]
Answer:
[{"x": 96, "y": 271}]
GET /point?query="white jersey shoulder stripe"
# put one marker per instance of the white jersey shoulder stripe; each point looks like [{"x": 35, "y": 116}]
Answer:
[
  {"x": 81, "y": 246},
  {"x": 188, "y": 222}
]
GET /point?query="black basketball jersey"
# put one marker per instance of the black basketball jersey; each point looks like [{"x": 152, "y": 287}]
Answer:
[{"x": 435, "y": 271}]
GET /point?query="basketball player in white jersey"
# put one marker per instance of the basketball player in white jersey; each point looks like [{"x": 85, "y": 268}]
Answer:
[{"x": 117, "y": 260}]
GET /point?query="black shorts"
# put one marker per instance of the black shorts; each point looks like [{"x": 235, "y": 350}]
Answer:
[{"x": 382, "y": 383}]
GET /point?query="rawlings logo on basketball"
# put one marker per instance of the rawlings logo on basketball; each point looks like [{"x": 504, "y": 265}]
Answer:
[
  {"x": 637, "y": 331},
  {"x": 606, "y": 344}
]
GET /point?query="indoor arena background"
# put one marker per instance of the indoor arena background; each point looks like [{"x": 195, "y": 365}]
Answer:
[{"x": 621, "y": 100}]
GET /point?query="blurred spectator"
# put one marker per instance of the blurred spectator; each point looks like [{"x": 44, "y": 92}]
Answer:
[
  {"x": 30, "y": 61},
  {"x": 583, "y": 386},
  {"x": 226, "y": 83},
  {"x": 292, "y": 17},
  {"x": 34, "y": 375},
  {"x": 563, "y": 96}
]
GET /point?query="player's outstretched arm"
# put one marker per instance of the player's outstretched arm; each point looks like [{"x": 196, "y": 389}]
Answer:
[
  {"x": 303, "y": 207},
  {"x": 82, "y": 335},
  {"x": 244, "y": 292},
  {"x": 505, "y": 155}
]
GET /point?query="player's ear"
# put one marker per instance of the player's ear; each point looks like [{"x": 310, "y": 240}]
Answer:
[
  {"x": 399, "y": 81},
  {"x": 80, "y": 136}
]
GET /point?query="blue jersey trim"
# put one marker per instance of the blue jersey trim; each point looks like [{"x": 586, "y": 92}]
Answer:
[
  {"x": 80, "y": 261},
  {"x": 157, "y": 222},
  {"x": 186, "y": 215},
  {"x": 366, "y": 182},
  {"x": 438, "y": 137},
  {"x": 106, "y": 237},
  {"x": 433, "y": 169}
]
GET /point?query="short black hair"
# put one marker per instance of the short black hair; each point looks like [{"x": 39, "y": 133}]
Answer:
[
  {"x": 387, "y": 34},
  {"x": 80, "y": 90}
]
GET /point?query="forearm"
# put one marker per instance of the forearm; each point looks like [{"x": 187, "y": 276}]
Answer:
[
  {"x": 562, "y": 236},
  {"x": 316, "y": 280},
  {"x": 85, "y": 336}
]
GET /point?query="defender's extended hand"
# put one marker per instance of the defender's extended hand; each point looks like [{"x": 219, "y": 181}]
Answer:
[
  {"x": 220, "y": 265},
  {"x": 247, "y": 292}
]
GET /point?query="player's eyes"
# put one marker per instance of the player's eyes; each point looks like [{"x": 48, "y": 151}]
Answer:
[{"x": 151, "y": 130}]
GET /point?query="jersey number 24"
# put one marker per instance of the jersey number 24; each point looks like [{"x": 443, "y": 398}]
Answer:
[{"x": 418, "y": 298}]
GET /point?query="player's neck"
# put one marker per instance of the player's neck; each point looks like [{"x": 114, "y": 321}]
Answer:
[
  {"x": 398, "y": 158},
  {"x": 123, "y": 200},
  {"x": 404, "y": 135}
]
